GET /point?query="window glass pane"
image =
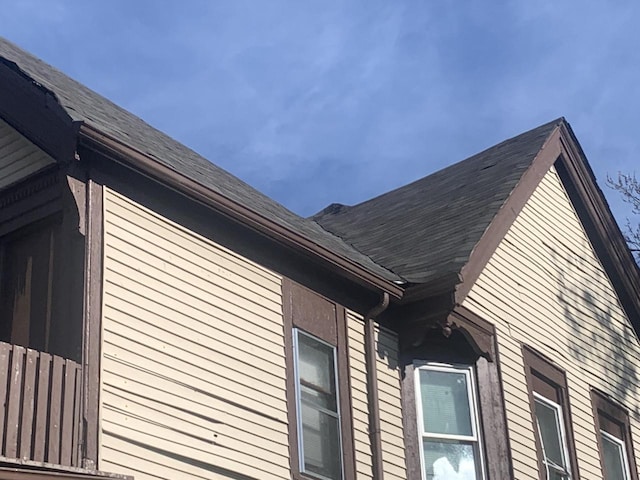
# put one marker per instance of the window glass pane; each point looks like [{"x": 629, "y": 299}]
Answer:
[
  {"x": 449, "y": 460},
  {"x": 445, "y": 402},
  {"x": 614, "y": 467},
  {"x": 548, "y": 423},
  {"x": 317, "y": 373},
  {"x": 321, "y": 443},
  {"x": 557, "y": 475}
]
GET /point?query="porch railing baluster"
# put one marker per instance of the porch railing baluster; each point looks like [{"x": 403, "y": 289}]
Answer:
[{"x": 39, "y": 406}]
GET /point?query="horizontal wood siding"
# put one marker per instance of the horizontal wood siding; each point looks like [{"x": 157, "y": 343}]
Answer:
[
  {"x": 390, "y": 401},
  {"x": 18, "y": 156},
  {"x": 545, "y": 287},
  {"x": 193, "y": 369}
]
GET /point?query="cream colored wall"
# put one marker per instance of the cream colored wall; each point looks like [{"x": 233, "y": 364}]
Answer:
[
  {"x": 193, "y": 369},
  {"x": 545, "y": 287},
  {"x": 390, "y": 401},
  {"x": 18, "y": 156},
  {"x": 193, "y": 372}
]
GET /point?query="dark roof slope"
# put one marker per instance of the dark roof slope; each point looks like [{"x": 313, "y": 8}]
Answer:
[
  {"x": 85, "y": 105},
  {"x": 426, "y": 231}
]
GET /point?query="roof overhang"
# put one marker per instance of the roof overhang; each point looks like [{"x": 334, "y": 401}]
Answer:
[
  {"x": 562, "y": 150},
  {"x": 35, "y": 112},
  {"x": 132, "y": 158},
  {"x": 602, "y": 229}
]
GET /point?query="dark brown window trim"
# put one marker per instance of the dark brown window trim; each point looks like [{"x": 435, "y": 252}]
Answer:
[
  {"x": 541, "y": 371},
  {"x": 470, "y": 331},
  {"x": 327, "y": 321},
  {"x": 606, "y": 411},
  {"x": 410, "y": 420}
]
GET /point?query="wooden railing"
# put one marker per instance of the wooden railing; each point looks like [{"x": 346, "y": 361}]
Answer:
[{"x": 39, "y": 406}]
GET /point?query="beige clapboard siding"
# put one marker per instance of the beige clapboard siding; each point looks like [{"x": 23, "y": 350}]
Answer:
[
  {"x": 544, "y": 286},
  {"x": 521, "y": 434},
  {"x": 18, "y": 156},
  {"x": 390, "y": 401},
  {"x": 193, "y": 369}
]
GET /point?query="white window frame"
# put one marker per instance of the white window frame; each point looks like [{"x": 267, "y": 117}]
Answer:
[
  {"x": 337, "y": 415},
  {"x": 472, "y": 394},
  {"x": 563, "y": 437},
  {"x": 623, "y": 447}
]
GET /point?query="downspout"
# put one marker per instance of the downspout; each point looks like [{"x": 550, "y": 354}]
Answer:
[{"x": 372, "y": 386}]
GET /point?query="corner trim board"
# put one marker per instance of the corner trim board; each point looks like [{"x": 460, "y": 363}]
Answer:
[{"x": 92, "y": 325}]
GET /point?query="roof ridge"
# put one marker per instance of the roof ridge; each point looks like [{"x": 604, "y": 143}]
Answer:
[
  {"x": 430, "y": 227},
  {"x": 338, "y": 209}
]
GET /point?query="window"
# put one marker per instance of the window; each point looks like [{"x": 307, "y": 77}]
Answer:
[
  {"x": 614, "y": 438},
  {"x": 320, "y": 423},
  {"x": 318, "y": 409},
  {"x": 465, "y": 355},
  {"x": 549, "y": 422},
  {"x": 614, "y": 457},
  {"x": 548, "y": 392},
  {"x": 448, "y": 422}
]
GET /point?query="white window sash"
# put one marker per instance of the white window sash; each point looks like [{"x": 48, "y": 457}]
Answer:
[
  {"x": 296, "y": 370},
  {"x": 475, "y": 439},
  {"x": 331, "y": 413},
  {"x": 464, "y": 369},
  {"x": 563, "y": 439},
  {"x": 623, "y": 448},
  {"x": 448, "y": 436}
]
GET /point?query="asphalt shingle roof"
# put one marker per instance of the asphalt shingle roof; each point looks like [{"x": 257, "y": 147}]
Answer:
[
  {"x": 85, "y": 105},
  {"x": 426, "y": 230}
]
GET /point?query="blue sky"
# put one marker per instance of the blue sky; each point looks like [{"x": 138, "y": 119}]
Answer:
[{"x": 315, "y": 102}]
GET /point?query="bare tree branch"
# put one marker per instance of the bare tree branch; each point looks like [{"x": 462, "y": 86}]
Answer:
[{"x": 628, "y": 186}]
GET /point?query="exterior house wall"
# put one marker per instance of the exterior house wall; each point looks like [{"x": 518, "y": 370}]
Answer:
[
  {"x": 545, "y": 287},
  {"x": 390, "y": 401},
  {"x": 18, "y": 156},
  {"x": 193, "y": 369},
  {"x": 193, "y": 360}
]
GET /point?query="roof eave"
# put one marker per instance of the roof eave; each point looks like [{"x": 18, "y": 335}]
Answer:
[
  {"x": 133, "y": 158},
  {"x": 604, "y": 232},
  {"x": 459, "y": 283},
  {"x": 35, "y": 112},
  {"x": 442, "y": 285},
  {"x": 563, "y": 150}
]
